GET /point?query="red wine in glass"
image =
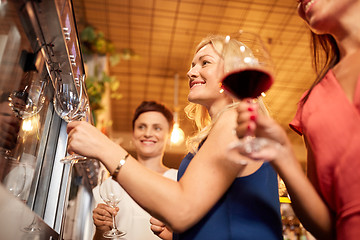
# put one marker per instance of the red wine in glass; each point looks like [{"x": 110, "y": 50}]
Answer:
[
  {"x": 248, "y": 82},
  {"x": 248, "y": 73}
]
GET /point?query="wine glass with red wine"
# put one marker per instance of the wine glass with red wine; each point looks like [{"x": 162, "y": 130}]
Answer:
[{"x": 248, "y": 74}]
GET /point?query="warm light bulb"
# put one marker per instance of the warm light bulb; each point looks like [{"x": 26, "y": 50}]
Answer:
[
  {"x": 177, "y": 135},
  {"x": 27, "y": 125},
  {"x": 30, "y": 124},
  {"x": 227, "y": 39}
]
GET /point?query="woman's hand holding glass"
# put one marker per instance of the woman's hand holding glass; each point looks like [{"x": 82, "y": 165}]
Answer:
[
  {"x": 248, "y": 74},
  {"x": 251, "y": 119},
  {"x": 85, "y": 139},
  {"x": 111, "y": 192},
  {"x": 102, "y": 217},
  {"x": 71, "y": 103}
]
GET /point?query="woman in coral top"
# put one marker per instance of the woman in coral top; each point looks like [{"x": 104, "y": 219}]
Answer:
[{"x": 328, "y": 117}]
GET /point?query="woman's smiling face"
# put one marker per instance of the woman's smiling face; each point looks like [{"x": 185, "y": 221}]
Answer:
[
  {"x": 205, "y": 74},
  {"x": 323, "y": 16},
  {"x": 151, "y": 133}
]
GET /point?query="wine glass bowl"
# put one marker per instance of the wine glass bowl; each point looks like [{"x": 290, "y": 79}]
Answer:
[
  {"x": 21, "y": 104},
  {"x": 16, "y": 178},
  {"x": 248, "y": 73},
  {"x": 247, "y": 89},
  {"x": 111, "y": 193},
  {"x": 30, "y": 100},
  {"x": 70, "y": 103},
  {"x": 66, "y": 101},
  {"x": 248, "y": 65}
]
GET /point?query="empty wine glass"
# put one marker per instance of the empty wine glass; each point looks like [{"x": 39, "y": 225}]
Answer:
[
  {"x": 15, "y": 182},
  {"x": 111, "y": 192},
  {"x": 70, "y": 105},
  {"x": 22, "y": 104},
  {"x": 248, "y": 74},
  {"x": 15, "y": 178},
  {"x": 83, "y": 110},
  {"x": 30, "y": 100},
  {"x": 66, "y": 99},
  {"x": 32, "y": 227}
]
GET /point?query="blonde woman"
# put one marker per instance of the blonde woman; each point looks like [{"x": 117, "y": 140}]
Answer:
[{"x": 213, "y": 198}]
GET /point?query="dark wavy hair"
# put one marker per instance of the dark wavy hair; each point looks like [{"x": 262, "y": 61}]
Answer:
[
  {"x": 152, "y": 106},
  {"x": 326, "y": 55}
]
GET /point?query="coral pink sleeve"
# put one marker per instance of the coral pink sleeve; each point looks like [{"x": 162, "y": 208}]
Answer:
[{"x": 295, "y": 124}]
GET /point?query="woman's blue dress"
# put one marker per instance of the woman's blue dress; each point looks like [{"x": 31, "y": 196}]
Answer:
[{"x": 249, "y": 210}]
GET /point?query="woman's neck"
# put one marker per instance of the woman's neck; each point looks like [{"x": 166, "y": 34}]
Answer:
[
  {"x": 153, "y": 163},
  {"x": 218, "y": 106},
  {"x": 347, "y": 31},
  {"x": 349, "y": 44}
]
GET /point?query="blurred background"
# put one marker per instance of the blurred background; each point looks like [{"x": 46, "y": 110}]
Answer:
[
  {"x": 133, "y": 50},
  {"x": 139, "y": 50}
]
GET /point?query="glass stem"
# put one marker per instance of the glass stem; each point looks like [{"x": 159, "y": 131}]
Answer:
[
  {"x": 114, "y": 223},
  {"x": 66, "y": 201}
]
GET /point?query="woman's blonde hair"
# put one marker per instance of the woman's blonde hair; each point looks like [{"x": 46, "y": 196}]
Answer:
[{"x": 199, "y": 113}]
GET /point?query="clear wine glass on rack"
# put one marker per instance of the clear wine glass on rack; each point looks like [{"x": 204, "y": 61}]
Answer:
[
  {"x": 15, "y": 182},
  {"x": 16, "y": 178},
  {"x": 111, "y": 192},
  {"x": 248, "y": 74},
  {"x": 70, "y": 105},
  {"x": 30, "y": 100},
  {"x": 22, "y": 104},
  {"x": 32, "y": 227}
]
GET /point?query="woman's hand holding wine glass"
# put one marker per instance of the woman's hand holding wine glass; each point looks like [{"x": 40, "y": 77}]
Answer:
[
  {"x": 71, "y": 104},
  {"x": 102, "y": 217},
  {"x": 111, "y": 192},
  {"x": 264, "y": 127},
  {"x": 248, "y": 74}
]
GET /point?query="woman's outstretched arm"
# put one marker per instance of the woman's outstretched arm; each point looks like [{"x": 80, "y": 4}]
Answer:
[{"x": 178, "y": 204}]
